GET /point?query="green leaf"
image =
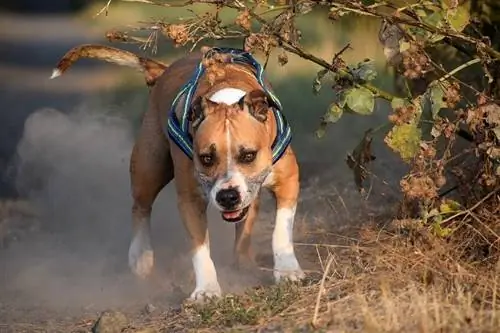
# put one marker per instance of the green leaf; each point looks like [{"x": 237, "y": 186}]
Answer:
[
  {"x": 449, "y": 206},
  {"x": 321, "y": 131},
  {"x": 435, "y": 19},
  {"x": 333, "y": 114},
  {"x": 421, "y": 12},
  {"x": 365, "y": 71},
  {"x": 405, "y": 140},
  {"x": 397, "y": 103},
  {"x": 458, "y": 18},
  {"x": 404, "y": 45},
  {"x": 360, "y": 100},
  {"x": 436, "y": 95},
  {"x": 440, "y": 231}
]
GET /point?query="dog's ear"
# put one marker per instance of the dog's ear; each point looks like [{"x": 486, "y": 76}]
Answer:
[
  {"x": 256, "y": 103},
  {"x": 200, "y": 108}
]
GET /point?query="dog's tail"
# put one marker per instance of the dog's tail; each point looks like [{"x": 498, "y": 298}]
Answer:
[{"x": 152, "y": 69}]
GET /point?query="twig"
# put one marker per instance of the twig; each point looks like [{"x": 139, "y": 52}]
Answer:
[
  {"x": 338, "y": 54},
  {"x": 104, "y": 9},
  {"x": 470, "y": 210},
  {"x": 314, "y": 321},
  {"x": 454, "y": 71},
  {"x": 291, "y": 47}
]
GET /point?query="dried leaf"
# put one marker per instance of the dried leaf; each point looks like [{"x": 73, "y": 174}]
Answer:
[
  {"x": 496, "y": 131},
  {"x": 390, "y": 36},
  {"x": 317, "y": 81},
  {"x": 492, "y": 111},
  {"x": 359, "y": 159}
]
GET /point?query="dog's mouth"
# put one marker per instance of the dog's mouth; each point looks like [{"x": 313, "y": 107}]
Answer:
[{"x": 235, "y": 216}]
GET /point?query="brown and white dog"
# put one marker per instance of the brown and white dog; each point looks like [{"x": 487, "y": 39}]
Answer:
[{"x": 233, "y": 128}]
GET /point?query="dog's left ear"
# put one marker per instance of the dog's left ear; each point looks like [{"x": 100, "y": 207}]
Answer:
[
  {"x": 200, "y": 108},
  {"x": 256, "y": 103}
]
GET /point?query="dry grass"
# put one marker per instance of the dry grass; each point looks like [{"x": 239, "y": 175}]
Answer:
[
  {"x": 399, "y": 278},
  {"x": 392, "y": 278}
]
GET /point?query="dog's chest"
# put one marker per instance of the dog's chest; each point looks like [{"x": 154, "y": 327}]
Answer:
[{"x": 269, "y": 180}]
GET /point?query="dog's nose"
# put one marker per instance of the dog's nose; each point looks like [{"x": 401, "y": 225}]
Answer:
[{"x": 228, "y": 198}]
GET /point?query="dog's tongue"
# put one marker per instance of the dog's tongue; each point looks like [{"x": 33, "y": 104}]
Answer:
[{"x": 231, "y": 215}]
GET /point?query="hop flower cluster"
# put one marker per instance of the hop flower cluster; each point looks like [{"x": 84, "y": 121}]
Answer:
[
  {"x": 178, "y": 33},
  {"x": 243, "y": 20},
  {"x": 427, "y": 176},
  {"x": 283, "y": 58},
  {"x": 452, "y": 95},
  {"x": 258, "y": 41},
  {"x": 422, "y": 187},
  {"x": 403, "y": 115},
  {"x": 415, "y": 63},
  {"x": 214, "y": 66}
]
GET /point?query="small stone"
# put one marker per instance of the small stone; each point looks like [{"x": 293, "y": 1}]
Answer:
[
  {"x": 110, "y": 322},
  {"x": 149, "y": 308}
]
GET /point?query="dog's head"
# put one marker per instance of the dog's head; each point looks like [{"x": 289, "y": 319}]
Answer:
[{"x": 232, "y": 151}]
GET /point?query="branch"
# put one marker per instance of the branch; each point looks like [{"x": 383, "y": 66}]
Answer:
[
  {"x": 370, "y": 11},
  {"x": 291, "y": 47}
]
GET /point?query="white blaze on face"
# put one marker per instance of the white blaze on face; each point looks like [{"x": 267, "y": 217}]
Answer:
[
  {"x": 228, "y": 145},
  {"x": 228, "y": 96},
  {"x": 233, "y": 178}
]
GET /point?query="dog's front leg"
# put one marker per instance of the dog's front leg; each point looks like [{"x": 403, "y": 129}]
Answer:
[
  {"x": 192, "y": 208},
  {"x": 286, "y": 191}
]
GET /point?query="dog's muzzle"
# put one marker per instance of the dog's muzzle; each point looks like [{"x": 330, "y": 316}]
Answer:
[{"x": 230, "y": 199}]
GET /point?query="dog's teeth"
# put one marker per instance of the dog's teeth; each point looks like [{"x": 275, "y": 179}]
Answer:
[{"x": 55, "y": 73}]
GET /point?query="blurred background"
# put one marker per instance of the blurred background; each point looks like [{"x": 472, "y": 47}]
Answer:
[
  {"x": 65, "y": 145},
  {"x": 34, "y": 35}
]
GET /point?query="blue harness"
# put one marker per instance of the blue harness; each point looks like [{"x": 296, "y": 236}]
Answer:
[{"x": 178, "y": 130}]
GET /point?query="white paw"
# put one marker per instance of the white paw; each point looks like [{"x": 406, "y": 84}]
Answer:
[
  {"x": 141, "y": 257},
  {"x": 203, "y": 294},
  {"x": 286, "y": 267}
]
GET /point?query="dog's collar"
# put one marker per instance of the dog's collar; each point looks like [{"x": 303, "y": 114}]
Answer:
[{"x": 178, "y": 128}]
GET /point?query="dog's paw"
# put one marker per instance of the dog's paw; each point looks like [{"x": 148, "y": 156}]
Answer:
[
  {"x": 140, "y": 259},
  {"x": 202, "y": 295},
  {"x": 286, "y": 267}
]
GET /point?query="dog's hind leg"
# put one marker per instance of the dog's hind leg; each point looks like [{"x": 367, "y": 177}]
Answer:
[{"x": 151, "y": 169}]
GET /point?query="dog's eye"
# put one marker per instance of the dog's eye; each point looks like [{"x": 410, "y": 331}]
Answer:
[
  {"x": 248, "y": 157},
  {"x": 207, "y": 160}
]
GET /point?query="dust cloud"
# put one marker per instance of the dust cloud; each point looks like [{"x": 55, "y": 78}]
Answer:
[{"x": 73, "y": 168}]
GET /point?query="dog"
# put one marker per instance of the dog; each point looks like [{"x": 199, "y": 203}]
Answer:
[{"x": 224, "y": 138}]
